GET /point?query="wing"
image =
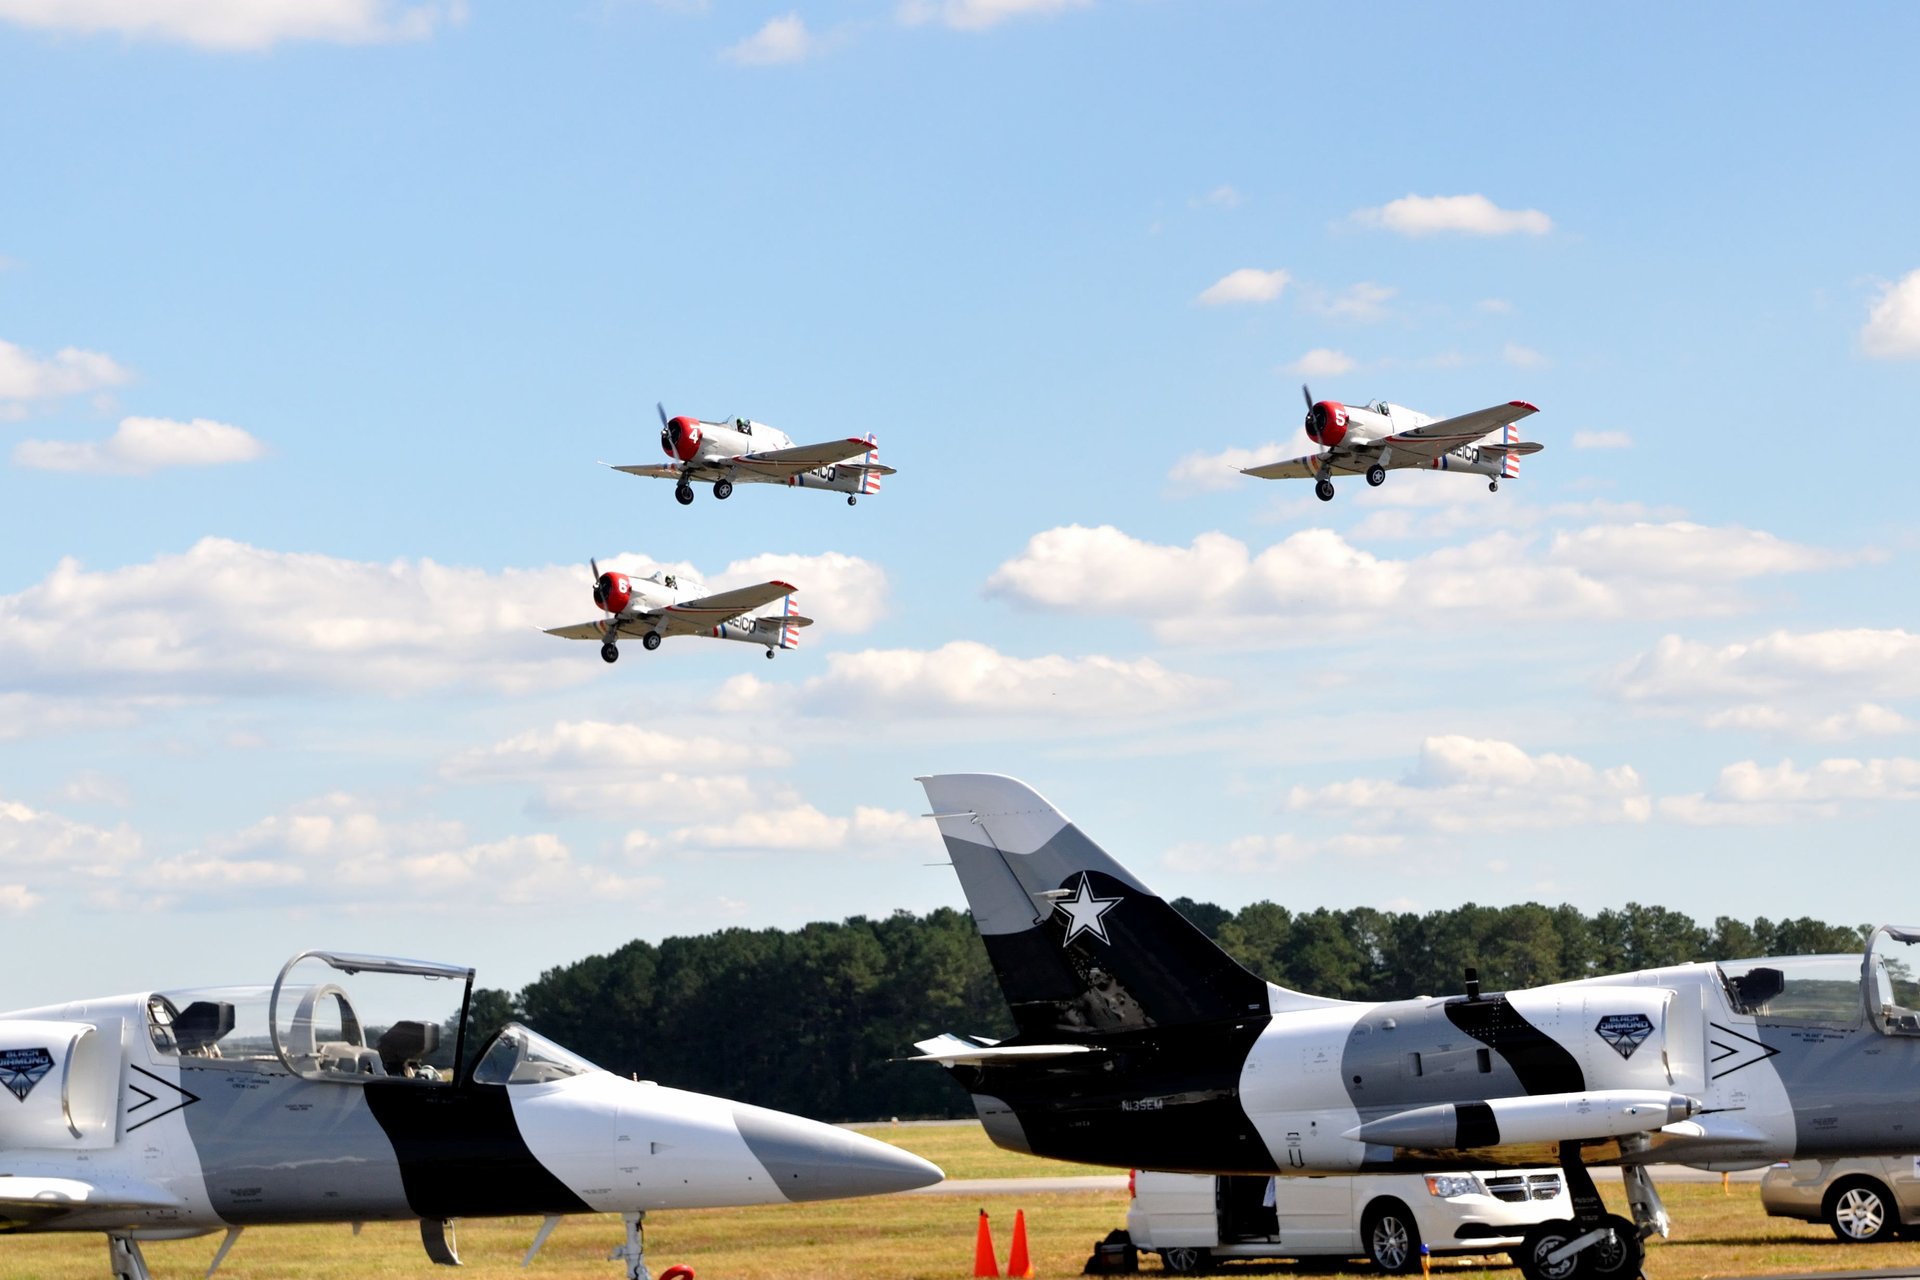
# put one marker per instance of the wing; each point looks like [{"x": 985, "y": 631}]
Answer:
[
  {"x": 710, "y": 611},
  {"x": 1445, "y": 436},
  {"x": 597, "y": 630},
  {"x": 36, "y": 1201},
  {"x": 661, "y": 471},
  {"x": 951, "y": 1050},
  {"x": 805, "y": 457},
  {"x": 1341, "y": 462}
]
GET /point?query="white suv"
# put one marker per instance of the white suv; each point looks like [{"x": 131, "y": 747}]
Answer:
[{"x": 1191, "y": 1219}]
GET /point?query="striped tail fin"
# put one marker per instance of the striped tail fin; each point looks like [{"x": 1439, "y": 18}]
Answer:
[
  {"x": 870, "y": 483},
  {"x": 1510, "y": 435},
  {"x": 789, "y": 633}
]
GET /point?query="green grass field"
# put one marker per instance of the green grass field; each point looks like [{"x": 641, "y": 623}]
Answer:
[{"x": 896, "y": 1238}]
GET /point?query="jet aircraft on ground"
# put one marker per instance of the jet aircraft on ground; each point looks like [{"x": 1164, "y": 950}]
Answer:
[
  {"x": 742, "y": 451},
  {"x": 345, "y": 1092},
  {"x": 1384, "y": 437},
  {"x": 663, "y": 604},
  {"x": 1141, "y": 1043}
]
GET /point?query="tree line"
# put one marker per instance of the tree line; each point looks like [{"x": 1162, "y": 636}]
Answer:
[{"x": 814, "y": 1020}]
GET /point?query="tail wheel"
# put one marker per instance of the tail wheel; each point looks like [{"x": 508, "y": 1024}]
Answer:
[
  {"x": 1392, "y": 1238},
  {"x": 852, "y": 501},
  {"x": 683, "y": 493},
  {"x": 651, "y": 640},
  {"x": 1185, "y": 1262},
  {"x": 1493, "y": 486},
  {"x": 609, "y": 652},
  {"x": 1324, "y": 491},
  {"x": 769, "y": 655},
  {"x": 723, "y": 489},
  {"x": 1861, "y": 1211},
  {"x": 1376, "y": 475}
]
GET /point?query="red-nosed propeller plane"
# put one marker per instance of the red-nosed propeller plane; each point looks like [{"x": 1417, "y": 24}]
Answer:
[
  {"x": 663, "y": 604},
  {"x": 1382, "y": 437},
  {"x": 743, "y": 451}
]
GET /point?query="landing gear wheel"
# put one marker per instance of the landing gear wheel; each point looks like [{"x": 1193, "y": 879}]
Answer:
[
  {"x": 683, "y": 494},
  {"x": 1493, "y": 486},
  {"x": 1861, "y": 1212},
  {"x": 852, "y": 501},
  {"x": 651, "y": 640},
  {"x": 769, "y": 655},
  {"x": 1392, "y": 1238},
  {"x": 1184, "y": 1261},
  {"x": 723, "y": 489},
  {"x": 1619, "y": 1256},
  {"x": 609, "y": 652},
  {"x": 1376, "y": 475},
  {"x": 1324, "y": 491},
  {"x": 1541, "y": 1241}
]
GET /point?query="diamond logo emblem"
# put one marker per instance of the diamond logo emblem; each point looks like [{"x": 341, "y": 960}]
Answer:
[{"x": 1625, "y": 1031}]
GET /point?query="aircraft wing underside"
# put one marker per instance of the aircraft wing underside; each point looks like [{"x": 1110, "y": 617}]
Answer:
[{"x": 35, "y": 1201}]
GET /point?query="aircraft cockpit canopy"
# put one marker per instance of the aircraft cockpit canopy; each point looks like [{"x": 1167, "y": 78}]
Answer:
[
  {"x": 341, "y": 1016},
  {"x": 521, "y": 1055},
  {"x": 1835, "y": 990}
]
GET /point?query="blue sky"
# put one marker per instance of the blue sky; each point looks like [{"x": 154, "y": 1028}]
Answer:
[{"x": 315, "y": 317}]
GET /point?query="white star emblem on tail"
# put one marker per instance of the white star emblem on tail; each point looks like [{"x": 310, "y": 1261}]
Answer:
[{"x": 1084, "y": 912}]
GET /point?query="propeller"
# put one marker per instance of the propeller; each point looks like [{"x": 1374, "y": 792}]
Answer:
[
  {"x": 599, "y": 597},
  {"x": 663, "y": 412}
]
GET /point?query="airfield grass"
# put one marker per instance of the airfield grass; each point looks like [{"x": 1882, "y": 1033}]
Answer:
[{"x": 911, "y": 1237}]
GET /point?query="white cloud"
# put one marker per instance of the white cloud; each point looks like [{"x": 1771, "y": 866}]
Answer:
[
  {"x": 1212, "y": 472},
  {"x": 225, "y": 617},
  {"x": 1462, "y": 785},
  {"x": 843, "y": 594},
  {"x": 801, "y": 828},
  {"x": 1362, "y": 303},
  {"x": 239, "y": 24},
  {"x": 1264, "y": 853},
  {"x": 336, "y": 848},
  {"x": 1248, "y": 284},
  {"x": 91, "y": 787},
  {"x": 978, "y": 15},
  {"x": 1323, "y": 362},
  {"x": 1523, "y": 357},
  {"x": 1315, "y": 575},
  {"x": 68, "y": 372},
  {"x": 1786, "y": 683},
  {"x": 1602, "y": 440},
  {"x": 143, "y": 445},
  {"x": 1750, "y": 794},
  {"x": 1472, "y": 215},
  {"x": 17, "y": 900},
  {"x": 595, "y": 766},
  {"x": 782, "y": 40},
  {"x": 964, "y": 678},
  {"x": 1221, "y": 197},
  {"x": 1892, "y": 330},
  {"x": 1494, "y": 306},
  {"x": 33, "y": 715},
  {"x": 40, "y": 850}
]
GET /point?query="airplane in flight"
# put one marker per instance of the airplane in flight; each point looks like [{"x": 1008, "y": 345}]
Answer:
[
  {"x": 664, "y": 604},
  {"x": 345, "y": 1092},
  {"x": 1142, "y": 1044},
  {"x": 1384, "y": 437},
  {"x": 742, "y": 451}
]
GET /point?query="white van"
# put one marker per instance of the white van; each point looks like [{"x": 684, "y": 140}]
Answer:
[{"x": 1191, "y": 1219}]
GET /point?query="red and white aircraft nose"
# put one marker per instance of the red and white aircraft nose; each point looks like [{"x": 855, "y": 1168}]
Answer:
[{"x": 682, "y": 438}]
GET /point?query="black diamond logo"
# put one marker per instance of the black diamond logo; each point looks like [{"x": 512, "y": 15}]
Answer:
[
  {"x": 21, "y": 1069},
  {"x": 1625, "y": 1031}
]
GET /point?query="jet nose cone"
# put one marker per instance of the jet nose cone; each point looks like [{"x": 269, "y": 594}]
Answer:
[{"x": 812, "y": 1161}]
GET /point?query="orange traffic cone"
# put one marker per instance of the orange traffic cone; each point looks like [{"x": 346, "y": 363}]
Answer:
[
  {"x": 1019, "y": 1266},
  {"x": 984, "y": 1263}
]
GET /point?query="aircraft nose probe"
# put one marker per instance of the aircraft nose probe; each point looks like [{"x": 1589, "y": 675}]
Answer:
[{"x": 808, "y": 1160}]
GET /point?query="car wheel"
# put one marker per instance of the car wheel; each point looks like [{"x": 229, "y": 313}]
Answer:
[
  {"x": 1861, "y": 1211},
  {"x": 1392, "y": 1237},
  {"x": 1186, "y": 1262}
]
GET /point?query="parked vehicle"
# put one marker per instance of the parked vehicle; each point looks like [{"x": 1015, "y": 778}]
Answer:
[
  {"x": 1863, "y": 1200},
  {"x": 1192, "y": 1219}
]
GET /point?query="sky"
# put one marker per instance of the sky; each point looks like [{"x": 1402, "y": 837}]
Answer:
[{"x": 317, "y": 315}]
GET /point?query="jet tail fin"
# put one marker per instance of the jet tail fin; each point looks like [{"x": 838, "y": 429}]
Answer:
[{"x": 1081, "y": 947}]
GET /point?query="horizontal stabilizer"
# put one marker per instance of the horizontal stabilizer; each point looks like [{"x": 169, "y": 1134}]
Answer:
[
  {"x": 950, "y": 1050},
  {"x": 1521, "y": 449},
  {"x": 1546, "y": 1117}
]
